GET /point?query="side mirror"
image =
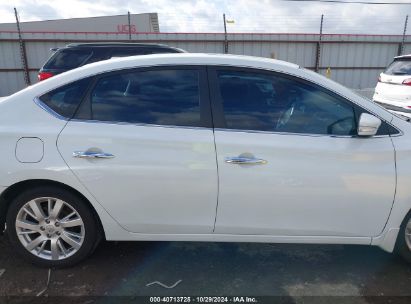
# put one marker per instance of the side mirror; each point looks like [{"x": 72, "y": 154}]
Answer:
[{"x": 368, "y": 125}]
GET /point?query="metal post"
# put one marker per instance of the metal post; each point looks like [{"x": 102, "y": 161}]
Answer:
[
  {"x": 401, "y": 49},
  {"x": 129, "y": 25},
  {"x": 225, "y": 36},
  {"x": 23, "y": 55},
  {"x": 317, "y": 59}
]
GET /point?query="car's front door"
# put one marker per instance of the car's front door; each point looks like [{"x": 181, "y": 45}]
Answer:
[
  {"x": 290, "y": 162},
  {"x": 142, "y": 144}
]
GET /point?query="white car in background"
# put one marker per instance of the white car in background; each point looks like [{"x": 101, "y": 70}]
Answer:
[
  {"x": 194, "y": 147},
  {"x": 393, "y": 90}
]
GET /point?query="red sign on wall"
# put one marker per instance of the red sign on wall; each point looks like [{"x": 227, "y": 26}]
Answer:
[{"x": 124, "y": 28}]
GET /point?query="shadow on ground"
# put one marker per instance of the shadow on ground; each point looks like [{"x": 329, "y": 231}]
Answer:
[{"x": 125, "y": 268}]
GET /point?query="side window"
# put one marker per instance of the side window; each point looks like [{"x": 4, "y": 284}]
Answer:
[
  {"x": 161, "y": 97},
  {"x": 270, "y": 102},
  {"x": 161, "y": 51},
  {"x": 68, "y": 59},
  {"x": 65, "y": 100}
]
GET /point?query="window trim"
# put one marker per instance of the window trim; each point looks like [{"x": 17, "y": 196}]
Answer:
[
  {"x": 204, "y": 103},
  {"x": 218, "y": 110},
  {"x": 49, "y": 110}
]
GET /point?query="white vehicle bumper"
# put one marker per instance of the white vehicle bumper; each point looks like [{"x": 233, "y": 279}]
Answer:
[
  {"x": 383, "y": 99},
  {"x": 396, "y": 94},
  {"x": 401, "y": 113},
  {"x": 394, "y": 107}
]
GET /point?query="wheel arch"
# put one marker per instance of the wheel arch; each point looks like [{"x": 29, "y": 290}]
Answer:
[
  {"x": 12, "y": 191},
  {"x": 389, "y": 239},
  {"x": 402, "y": 226}
]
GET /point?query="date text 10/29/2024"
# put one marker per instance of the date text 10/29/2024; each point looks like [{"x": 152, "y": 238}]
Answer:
[{"x": 235, "y": 299}]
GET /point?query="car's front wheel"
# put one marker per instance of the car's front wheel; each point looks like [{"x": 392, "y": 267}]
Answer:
[{"x": 51, "y": 227}]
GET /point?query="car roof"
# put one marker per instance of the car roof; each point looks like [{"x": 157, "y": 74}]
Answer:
[
  {"x": 205, "y": 59},
  {"x": 185, "y": 59},
  {"x": 173, "y": 59},
  {"x": 403, "y": 56},
  {"x": 117, "y": 44}
]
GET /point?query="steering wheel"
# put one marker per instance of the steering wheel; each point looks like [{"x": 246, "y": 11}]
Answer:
[{"x": 340, "y": 124}]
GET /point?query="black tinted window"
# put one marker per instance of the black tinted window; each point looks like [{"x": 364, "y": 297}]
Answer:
[
  {"x": 140, "y": 51},
  {"x": 127, "y": 52},
  {"x": 66, "y": 99},
  {"x": 68, "y": 59},
  {"x": 161, "y": 51},
  {"x": 257, "y": 101},
  {"x": 399, "y": 67},
  {"x": 163, "y": 97}
]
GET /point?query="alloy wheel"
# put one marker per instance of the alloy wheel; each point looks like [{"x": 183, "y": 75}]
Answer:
[{"x": 50, "y": 228}]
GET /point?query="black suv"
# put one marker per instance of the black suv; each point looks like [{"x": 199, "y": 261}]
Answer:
[{"x": 77, "y": 54}]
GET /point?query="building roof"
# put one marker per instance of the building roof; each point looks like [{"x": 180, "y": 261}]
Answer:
[{"x": 147, "y": 22}]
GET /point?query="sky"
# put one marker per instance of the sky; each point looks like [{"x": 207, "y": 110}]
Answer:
[{"x": 265, "y": 16}]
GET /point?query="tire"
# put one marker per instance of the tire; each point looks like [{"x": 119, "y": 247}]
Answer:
[
  {"x": 403, "y": 246},
  {"x": 52, "y": 227}
]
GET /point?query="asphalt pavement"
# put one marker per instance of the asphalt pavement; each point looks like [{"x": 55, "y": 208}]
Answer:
[{"x": 209, "y": 269}]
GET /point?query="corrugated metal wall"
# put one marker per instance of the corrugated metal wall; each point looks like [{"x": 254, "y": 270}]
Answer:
[{"x": 354, "y": 60}]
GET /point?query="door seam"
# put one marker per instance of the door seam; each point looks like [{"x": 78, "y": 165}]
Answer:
[
  {"x": 218, "y": 182},
  {"x": 215, "y": 145},
  {"x": 395, "y": 190}
]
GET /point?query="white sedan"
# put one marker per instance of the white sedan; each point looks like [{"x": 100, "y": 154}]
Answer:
[{"x": 193, "y": 147}]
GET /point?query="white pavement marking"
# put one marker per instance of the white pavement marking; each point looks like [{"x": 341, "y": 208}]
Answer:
[
  {"x": 47, "y": 284},
  {"x": 163, "y": 285}
]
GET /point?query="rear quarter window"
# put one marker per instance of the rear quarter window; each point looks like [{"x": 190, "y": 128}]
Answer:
[
  {"x": 66, "y": 99},
  {"x": 68, "y": 59}
]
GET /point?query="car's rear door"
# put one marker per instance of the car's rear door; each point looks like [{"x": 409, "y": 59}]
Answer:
[
  {"x": 143, "y": 145},
  {"x": 289, "y": 160}
]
